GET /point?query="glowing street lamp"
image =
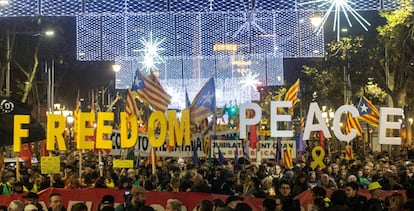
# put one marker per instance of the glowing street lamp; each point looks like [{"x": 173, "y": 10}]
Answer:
[
  {"x": 116, "y": 67},
  {"x": 338, "y": 6},
  {"x": 4, "y": 2}
]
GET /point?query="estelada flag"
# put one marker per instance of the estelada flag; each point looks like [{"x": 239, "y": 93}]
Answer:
[{"x": 349, "y": 153}]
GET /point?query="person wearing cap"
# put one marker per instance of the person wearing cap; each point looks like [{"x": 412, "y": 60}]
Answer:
[
  {"x": 134, "y": 201},
  {"x": 375, "y": 203},
  {"x": 107, "y": 201},
  {"x": 33, "y": 199}
]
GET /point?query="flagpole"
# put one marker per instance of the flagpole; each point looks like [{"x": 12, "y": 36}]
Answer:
[
  {"x": 80, "y": 163},
  {"x": 153, "y": 160},
  {"x": 100, "y": 162},
  {"x": 17, "y": 168}
]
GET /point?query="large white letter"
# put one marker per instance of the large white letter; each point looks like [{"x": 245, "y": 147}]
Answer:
[
  {"x": 384, "y": 125},
  {"x": 252, "y": 121},
  {"x": 337, "y": 122},
  {"x": 315, "y": 111},
  {"x": 274, "y": 117}
]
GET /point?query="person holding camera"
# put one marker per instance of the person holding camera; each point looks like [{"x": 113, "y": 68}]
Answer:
[{"x": 134, "y": 200}]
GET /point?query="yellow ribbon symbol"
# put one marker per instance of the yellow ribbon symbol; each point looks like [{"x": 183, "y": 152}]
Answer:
[{"x": 318, "y": 159}]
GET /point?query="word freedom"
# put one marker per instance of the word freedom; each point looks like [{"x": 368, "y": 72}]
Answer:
[{"x": 179, "y": 130}]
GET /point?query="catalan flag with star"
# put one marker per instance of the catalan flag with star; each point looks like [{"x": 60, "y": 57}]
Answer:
[
  {"x": 204, "y": 104},
  {"x": 368, "y": 112},
  {"x": 150, "y": 91}
]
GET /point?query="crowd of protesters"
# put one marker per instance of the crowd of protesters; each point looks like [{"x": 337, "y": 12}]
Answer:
[{"x": 268, "y": 180}]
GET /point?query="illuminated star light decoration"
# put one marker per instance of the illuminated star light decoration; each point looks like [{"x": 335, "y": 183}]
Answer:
[
  {"x": 249, "y": 82},
  {"x": 337, "y": 6},
  {"x": 151, "y": 53},
  {"x": 250, "y": 22}
]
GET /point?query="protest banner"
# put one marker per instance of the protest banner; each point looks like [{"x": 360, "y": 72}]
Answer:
[
  {"x": 92, "y": 196},
  {"x": 143, "y": 147},
  {"x": 267, "y": 148}
]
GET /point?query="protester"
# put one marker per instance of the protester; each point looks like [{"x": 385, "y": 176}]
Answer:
[
  {"x": 8, "y": 186},
  {"x": 320, "y": 198},
  {"x": 395, "y": 202},
  {"x": 287, "y": 200},
  {"x": 232, "y": 201},
  {"x": 354, "y": 200},
  {"x": 278, "y": 203},
  {"x": 55, "y": 202},
  {"x": 107, "y": 201},
  {"x": 80, "y": 206},
  {"x": 375, "y": 203},
  {"x": 268, "y": 204},
  {"x": 16, "y": 205},
  {"x": 205, "y": 205},
  {"x": 243, "y": 207},
  {"x": 32, "y": 198},
  {"x": 173, "y": 205},
  {"x": 30, "y": 207},
  {"x": 338, "y": 199},
  {"x": 409, "y": 205},
  {"x": 134, "y": 201}
]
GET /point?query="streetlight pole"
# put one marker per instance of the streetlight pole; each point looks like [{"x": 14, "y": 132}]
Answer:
[
  {"x": 9, "y": 51},
  {"x": 8, "y": 57}
]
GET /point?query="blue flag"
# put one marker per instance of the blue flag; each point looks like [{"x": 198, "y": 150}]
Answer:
[
  {"x": 187, "y": 99},
  {"x": 221, "y": 160},
  {"x": 246, "y": 149},
  {"x": 236, "y": 156},
  {"x": 204, "y": 103},
  {"x": 279, "y": 150},
  {"x": 195, "y": 154},
  {"x": 138, "y": 83}
]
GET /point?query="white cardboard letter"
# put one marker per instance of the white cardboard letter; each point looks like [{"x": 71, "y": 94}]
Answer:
[
  {"x": 275, "y": 118},
  {"x": 384, "y": 125},
  {"x": 252, "y": 121},
  {"x": 315, "y": 111},
  {"x": 337, "y": 121}
]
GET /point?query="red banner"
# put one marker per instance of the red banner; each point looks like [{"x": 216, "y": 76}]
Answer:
[
  {"x": 306, "y": 199},
  {"x": 189, "y": 199},
  {"x": 93, "y": 196}
]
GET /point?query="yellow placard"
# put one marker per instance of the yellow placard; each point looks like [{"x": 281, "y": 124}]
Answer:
[
  {"x": 50, "y": 165},
  {"x": 123, "y": 163}
]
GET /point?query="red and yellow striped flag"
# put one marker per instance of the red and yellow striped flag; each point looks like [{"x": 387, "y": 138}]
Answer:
[
  {"x": 293, "y": 94},
  {"x": 349, "y": 153},
  {"x": 352, "y": 123},
  {"x": 131, "y": 105},
  {"x": 288, "y": 157}
]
